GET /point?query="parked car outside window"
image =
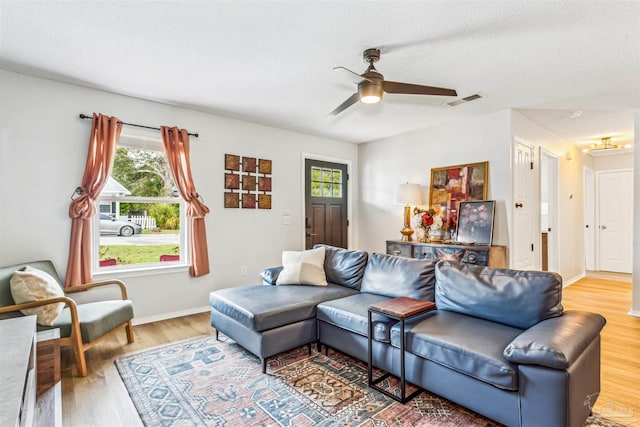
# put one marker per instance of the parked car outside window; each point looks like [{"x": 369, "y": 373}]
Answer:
[{"x": 109, "y": 225}]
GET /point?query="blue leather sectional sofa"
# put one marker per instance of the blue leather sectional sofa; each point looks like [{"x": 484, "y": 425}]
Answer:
[{"x": 499, "y": 342}]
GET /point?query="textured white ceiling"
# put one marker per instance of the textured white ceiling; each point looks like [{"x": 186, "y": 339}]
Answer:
[{"x": 271, "y": 62}]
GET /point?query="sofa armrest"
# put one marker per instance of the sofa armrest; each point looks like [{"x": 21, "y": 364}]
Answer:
[
  {"x": 557, "y": 342},
  {"x": 270, "y": 275}
]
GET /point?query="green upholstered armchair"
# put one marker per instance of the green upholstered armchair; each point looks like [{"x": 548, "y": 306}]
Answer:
[{"x": 82, "y": 325}]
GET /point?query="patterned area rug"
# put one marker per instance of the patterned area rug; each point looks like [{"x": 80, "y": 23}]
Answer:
[{"x": 204, "y": 382}]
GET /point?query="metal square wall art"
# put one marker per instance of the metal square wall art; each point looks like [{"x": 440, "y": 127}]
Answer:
[{"x": 247, "y": 182}]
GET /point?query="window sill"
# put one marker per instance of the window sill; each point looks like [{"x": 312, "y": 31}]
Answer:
[{"x": 150, "y": 270}]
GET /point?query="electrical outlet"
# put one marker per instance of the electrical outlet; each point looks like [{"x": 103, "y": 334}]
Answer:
[{"x": 243, "y": 270}]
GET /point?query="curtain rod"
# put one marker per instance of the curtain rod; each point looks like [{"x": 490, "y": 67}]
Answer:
[{"x": 84, "y": 116}]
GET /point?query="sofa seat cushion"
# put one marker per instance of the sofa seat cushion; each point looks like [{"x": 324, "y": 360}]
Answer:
[
  {"x": 394, "y": 276},
  {"x": 261, "y": 308},
  {"x": 463, "y": 343},
  {"x": 96, "y": 318},
  {"x": 351, "y": 313}
]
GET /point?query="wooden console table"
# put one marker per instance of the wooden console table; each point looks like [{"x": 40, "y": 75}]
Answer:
[{"x": 494, "y": 256}]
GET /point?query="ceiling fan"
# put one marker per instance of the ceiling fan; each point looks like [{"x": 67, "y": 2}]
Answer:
[{"x": 372, "y": 85}]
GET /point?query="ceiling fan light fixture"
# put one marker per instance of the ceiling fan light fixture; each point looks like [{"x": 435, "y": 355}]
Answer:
[
  {"x": 372, "y": 85},
  {"x": 370, "y": 93}
]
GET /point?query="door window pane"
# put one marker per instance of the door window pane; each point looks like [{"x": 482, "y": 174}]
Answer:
[
  {"x": 326, "y": 189},
  {"x": 316, "y": 174},
  {"x": 316, "y": 190},
  {"x": 327, "y": 175}
]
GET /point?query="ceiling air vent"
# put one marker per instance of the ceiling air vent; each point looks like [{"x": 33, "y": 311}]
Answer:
[{"x": 464, "y": 100}]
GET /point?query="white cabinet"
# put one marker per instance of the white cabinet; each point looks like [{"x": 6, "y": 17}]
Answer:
[{"x": 18, "y": 373}]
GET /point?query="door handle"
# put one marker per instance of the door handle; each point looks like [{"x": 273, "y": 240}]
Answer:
[
  {"x": 603, "y": 227},
  {"x": 311, "y": 234},
  {"x": 518, "y": 205}
]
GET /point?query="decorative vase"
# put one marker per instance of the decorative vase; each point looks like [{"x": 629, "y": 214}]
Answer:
[
  {"x": 422, "y": 234},
  {"x": 436, "y": 234}
]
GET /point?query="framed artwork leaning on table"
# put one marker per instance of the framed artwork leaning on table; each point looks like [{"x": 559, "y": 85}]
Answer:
[{"x": 475, "y": 222}]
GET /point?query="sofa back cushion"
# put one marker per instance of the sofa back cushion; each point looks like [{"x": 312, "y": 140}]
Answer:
[
  {"x": 511, "y": 297},
  {"x": 395, "y": 276},
  {"x": 344, "y": 267}
]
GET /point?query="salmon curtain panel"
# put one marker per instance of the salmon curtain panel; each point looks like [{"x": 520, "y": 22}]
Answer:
[
  {"x": 105, "y": 133},
  {"x": 176, "y": 145}
]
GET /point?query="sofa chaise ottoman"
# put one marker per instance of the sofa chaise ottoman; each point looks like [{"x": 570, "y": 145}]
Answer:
[{"x": 268, "y": 319}]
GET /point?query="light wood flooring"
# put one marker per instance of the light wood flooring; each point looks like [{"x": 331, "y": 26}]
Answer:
[{"x": 100, "y": 399}]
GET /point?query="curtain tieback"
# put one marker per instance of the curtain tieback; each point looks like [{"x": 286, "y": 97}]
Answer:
[{"x": 79, "y": 191}]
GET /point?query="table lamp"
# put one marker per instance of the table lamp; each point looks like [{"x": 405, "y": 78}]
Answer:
[{"x": 408, "y": 194}]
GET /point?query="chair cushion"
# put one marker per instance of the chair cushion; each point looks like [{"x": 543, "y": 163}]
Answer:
[
  {"x": 512, "y": 297},
  {"x": 344, "y": 267},
  {"x": 31, "y": 284},
  {"x": 463, "y": 343},
  {"x": 96, "y": 318},
  {"x": 303, "y": 268},
  {"x": 351, "y": 313},
  {"x": 394, "y": 276},
  {"x": 260, "y": 307}
]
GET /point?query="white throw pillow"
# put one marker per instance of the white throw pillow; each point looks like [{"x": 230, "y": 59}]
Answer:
[
  {"x": 303, "y": 268},
  {"x": 30, "y": 284}
]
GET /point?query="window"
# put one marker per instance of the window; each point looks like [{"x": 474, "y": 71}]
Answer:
[
  {"x": 141, "y": 220},
  {"x": 326, "y": 182}
]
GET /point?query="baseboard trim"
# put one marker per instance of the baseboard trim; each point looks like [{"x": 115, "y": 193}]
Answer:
[
  {"x": 171, "y": 315},
  {"x": 635, "y": 313},
  {"x": 573, "y": 280}
]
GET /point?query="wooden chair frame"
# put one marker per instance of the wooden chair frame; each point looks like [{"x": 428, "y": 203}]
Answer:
[{"x": 74, "y": 340}]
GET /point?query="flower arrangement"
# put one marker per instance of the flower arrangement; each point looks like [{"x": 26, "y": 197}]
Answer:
[{"x": 426, "y": 223}]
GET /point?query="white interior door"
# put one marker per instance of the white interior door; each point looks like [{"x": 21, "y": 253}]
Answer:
[
  {"x": 549, "y": 206},
  {"x": 615, "y": 220},
  {"x": 589, "y": 219},
  {"x": 525, "y": 220}
]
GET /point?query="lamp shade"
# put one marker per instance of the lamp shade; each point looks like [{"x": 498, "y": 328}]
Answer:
[{"x": 408, "y": 194}]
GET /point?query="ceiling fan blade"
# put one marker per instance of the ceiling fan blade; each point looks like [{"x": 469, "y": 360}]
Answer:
[
  {"x": 346, "y": 104},
  {"x": 395, "y": 87},
  {"x": 353, "y": 76}
]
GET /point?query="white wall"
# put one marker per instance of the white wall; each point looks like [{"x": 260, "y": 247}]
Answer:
[
  {"x": 570, "y": 193},
  {"x": 409, "y": 158},
  {"x": 615, "y": 161},
  {"x": 42, "y": 155},
  {"x": 635, "y": 295}
]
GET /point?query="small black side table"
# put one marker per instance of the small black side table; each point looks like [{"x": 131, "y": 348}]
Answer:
[{"x": 401, "y": 308}]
